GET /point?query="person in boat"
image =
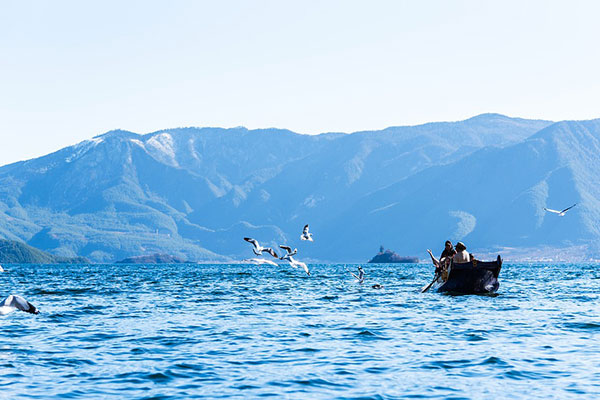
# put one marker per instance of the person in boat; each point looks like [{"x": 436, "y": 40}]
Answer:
[
  {"x": 462, "y": 255},
  {"x": 449, "y": 251},
  {"x": 445, "y": 257}
]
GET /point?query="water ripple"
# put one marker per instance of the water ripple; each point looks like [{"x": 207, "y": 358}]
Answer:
[{"x": 240, "y": 331}]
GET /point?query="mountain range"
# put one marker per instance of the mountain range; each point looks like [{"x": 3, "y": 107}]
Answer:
[{"x": 195, "y": 193}]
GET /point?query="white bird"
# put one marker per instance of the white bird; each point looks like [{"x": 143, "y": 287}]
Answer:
[
  {"x": 361, "y": 275},
  {"x": 289, "y": 253},
  {"x": 306, "y": 235},
  {"x": 297, "y": 264},
  {"x": 258, "y": 249},
  {"x": 560, "y": 213},
  {"x": 14, "y": 302},
  {"x": 259, "y": 261}
]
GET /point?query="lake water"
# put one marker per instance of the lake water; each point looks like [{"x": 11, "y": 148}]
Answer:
[{"x": 239, "y": 331}]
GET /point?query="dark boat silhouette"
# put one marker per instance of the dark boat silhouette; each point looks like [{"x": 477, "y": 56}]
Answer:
[{"x": 474, "y": 277}]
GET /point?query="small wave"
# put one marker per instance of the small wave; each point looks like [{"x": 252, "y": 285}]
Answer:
[
  {"x": 494, "y": 361},
  {"x": 318, "y": 382},
  {"x": 246, "y": 387},
  {"x": 159, "y": 377},
  {"x": 329, "y": 298},
  {"x": 582, "y": 325},
  {"x": 376, "y": 370},
  {"x": 12, "y": 375},
  {"x": 472, "y": 337},
  {"x": 366, "y": 333},
  {"x": 449, "y": 364},
  {"x": 192, "y": 367},
  {"x": 307, "y": 350},
  {"x": 369, "y": 335},
  {"x": 63, "y": 291},
  {"x": 67, "y": 362},
  {"x": 526, "y": 375}
]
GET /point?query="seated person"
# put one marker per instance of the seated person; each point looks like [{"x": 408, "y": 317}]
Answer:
[
  {"x": 462, "y": 255},
  {"x": 448, "y": 250},
  {"x": 445, "y": 258}
]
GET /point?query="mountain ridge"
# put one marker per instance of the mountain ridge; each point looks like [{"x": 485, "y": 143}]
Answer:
[{"x": 191, "y": 191}]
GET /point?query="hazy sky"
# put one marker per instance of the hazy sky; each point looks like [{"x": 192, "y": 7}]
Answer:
[{"x": 70, "y": 70}]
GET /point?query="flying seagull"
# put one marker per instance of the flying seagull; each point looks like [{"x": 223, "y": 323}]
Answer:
[
  {"x": 297, "y": 264},
  {"x": 14, "y": 302},
  {"x": 361, "y": 274},
  {"x": 258, "y": 249},
  {"x": 306, "y": 235},
  {"x": 259, "y": 261},
  {"x": 289, "y": 253},
  {"x": 560, "y": 213}
]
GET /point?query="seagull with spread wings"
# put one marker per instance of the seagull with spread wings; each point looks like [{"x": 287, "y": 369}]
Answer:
[
  {"x": 306, "y": 235},
  {"x": 258, "y": 249},
  {"x": 560, "y": 213},
  {"x": 289, "y": 252},
  {"x": 297, "y": 264}
]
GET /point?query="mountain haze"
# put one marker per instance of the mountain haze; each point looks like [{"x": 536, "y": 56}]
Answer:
[{"x": 195, "y": 192}]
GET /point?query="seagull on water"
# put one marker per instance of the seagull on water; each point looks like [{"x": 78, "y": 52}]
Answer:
[
  {"x": 14, "y": 302},
  {"x": 258, "y": 249},
  {"x": 560, "y": 213},
  {"x": 306, "y": 235},
  {"x": 289, "y": 253},
  {"x": 259, "y": 261}
]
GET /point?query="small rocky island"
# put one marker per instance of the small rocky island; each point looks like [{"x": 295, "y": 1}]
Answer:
[
  {"x": 390, "y": 257},
  {"x": 153, "y": 259}
]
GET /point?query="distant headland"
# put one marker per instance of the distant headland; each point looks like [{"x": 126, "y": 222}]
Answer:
[
  {"x": 390, "y": 257},
  {"x": 13, "y": 252}
]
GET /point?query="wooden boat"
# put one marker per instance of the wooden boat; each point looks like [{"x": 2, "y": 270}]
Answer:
[{"x": 475, "y": 277}]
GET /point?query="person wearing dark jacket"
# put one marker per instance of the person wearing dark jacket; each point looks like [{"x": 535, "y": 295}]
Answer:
[
  {"x": 449, "y": 251},
  {"x": 444, "y": 261}
]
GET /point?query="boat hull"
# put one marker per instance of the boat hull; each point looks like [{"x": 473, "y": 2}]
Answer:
[{"x": 475, "y": 277}]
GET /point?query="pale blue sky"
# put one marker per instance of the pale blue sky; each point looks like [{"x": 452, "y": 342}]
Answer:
[{"x": 70, "y": 70}]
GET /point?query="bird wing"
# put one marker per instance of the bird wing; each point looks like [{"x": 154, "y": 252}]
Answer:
[
  {"x": 552, "y": 211},
  {"x": 257, "y": 261},
  {"x": 568, "y": 208},
  {"x": 260, "y": 261},
  {"x": 253, "y": 241},
  {"x": 19, "y": 303},
  {"x": 304, "y": 267},
  {"x": 305, "y": 230},
  {"x": 286, "y": 248},
  {"x": 271, "y": 252},
  {"x": 297, "y": 264}
]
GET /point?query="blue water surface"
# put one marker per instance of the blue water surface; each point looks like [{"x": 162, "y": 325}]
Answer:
[{"x": 246, "y": 331}]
